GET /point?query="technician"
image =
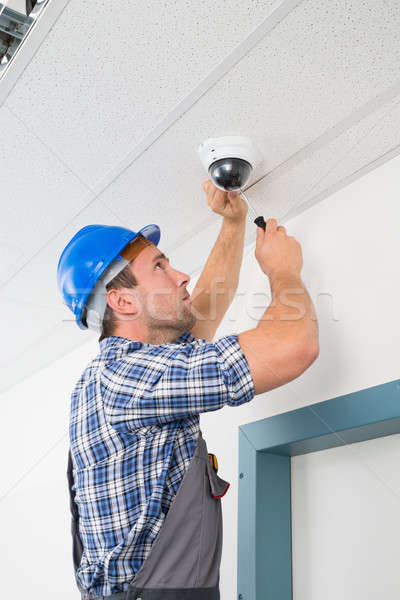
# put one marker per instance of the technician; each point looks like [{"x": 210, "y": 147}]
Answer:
[{"x": 145, "y": 495}]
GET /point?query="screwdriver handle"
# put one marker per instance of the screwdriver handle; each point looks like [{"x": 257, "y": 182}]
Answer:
[{"x": 259, "y": 221}]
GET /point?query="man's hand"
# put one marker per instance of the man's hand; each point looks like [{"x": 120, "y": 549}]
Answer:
[{"x": 228, "y": 204}]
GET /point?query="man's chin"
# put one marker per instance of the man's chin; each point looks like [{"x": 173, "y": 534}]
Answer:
[
  {"x": 189, "y": 322},
  {"x": 182, "y": 323}
]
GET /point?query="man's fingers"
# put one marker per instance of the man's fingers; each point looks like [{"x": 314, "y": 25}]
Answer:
[{"x": 271, "y": 225}]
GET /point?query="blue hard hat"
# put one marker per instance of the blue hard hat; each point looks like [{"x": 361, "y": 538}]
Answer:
[{"x": 86, "y": 257}]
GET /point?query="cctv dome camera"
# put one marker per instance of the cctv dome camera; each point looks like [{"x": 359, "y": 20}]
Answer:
[
  {"x": 230, "y": 173},
  {"x": 229, "y": 160}
]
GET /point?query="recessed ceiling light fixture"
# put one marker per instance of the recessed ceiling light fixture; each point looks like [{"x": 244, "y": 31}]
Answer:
[{"x": 16, "y": 20}]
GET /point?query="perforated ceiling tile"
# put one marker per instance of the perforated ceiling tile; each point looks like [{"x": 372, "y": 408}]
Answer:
[
  {"x": 275, "y": 95},
  {"x": 327, "y": 169},
  {"x": 109, "y": 72},
  {"x": 320, "y": 65},
  {"x": 361, "y": 148},
  {"x": 38, "y": 194},
  {"x": 40, "y": 274}
]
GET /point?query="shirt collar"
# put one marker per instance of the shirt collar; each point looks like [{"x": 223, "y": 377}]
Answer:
[{"x": 115, "y": 340}]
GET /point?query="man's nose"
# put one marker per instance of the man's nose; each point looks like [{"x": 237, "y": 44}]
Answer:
[{"x": 183, "y": 278}]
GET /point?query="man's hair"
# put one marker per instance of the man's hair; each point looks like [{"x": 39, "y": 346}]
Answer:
[{"x": 124, "y": 279}]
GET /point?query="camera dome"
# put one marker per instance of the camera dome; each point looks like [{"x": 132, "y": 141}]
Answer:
[{"x": 230, "y": 174}]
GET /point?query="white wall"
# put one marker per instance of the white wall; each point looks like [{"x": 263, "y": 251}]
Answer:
[
  {"x": 351, "y": 249},
  {"x": 345, "y": 522}
]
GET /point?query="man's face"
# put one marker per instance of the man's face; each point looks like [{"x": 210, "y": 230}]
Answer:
[{"x": 161, "y": 291}]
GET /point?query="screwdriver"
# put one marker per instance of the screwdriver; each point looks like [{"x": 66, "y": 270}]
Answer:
[{"x": 259, "y": 221}]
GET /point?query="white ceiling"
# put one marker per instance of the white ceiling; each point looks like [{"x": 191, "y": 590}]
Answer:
[{"x": 103, "y": 125}]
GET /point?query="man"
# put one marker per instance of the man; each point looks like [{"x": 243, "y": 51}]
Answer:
[{"x": 145, "y": 497}]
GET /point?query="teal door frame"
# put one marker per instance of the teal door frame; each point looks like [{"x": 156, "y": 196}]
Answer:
[{"x": 264, "y": 502}]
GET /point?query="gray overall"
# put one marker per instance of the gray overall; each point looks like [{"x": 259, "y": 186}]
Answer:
[{"x": 184, "y": 560}]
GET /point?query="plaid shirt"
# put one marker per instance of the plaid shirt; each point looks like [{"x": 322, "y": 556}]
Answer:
[{"x": 134, "y": 425}]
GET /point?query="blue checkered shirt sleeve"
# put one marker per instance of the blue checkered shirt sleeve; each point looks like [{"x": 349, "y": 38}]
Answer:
[{"x": 155, "y": 385}]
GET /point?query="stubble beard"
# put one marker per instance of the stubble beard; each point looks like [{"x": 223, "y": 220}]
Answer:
[{"x": 169, "y": 324}]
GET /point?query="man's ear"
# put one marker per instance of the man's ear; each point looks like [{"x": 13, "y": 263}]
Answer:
[{"x": 123, "y": 300}]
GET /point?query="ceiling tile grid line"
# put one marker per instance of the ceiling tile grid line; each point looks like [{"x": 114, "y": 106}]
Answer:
[
  {"x": 365, "y": 144},
  {"x": 328, "y": 136},
  {"x": 312, "y": 148},
  {"x": 299, "y": 203},
  {"x": 207, "y": 108},
  {"x": 49, "y": 148},
  {"x": 278, "y": 12},
  {"x": 47, "y": 332},
  {"x": 109, "y": 208},
  {"x": 330, "y": 21},
  {"x": 329, "y": 190},
  {"x": 38, "y": 193},
  {"x": 42, "y": 268},
  {"x": 275, "y": 14},
  {"x": 342, "y": 183},
  {"x": 302, "y": 207},
  {"x": 78, "y": 177},
  {"x": 86, "y": 203},
  {"x": 318, "y": 143}
]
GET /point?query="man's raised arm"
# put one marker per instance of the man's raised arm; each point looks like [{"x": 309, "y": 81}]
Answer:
[{"x": 217, "y": 284}]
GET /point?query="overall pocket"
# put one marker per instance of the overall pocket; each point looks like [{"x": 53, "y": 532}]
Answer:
[{"x": 219, "y": 486}]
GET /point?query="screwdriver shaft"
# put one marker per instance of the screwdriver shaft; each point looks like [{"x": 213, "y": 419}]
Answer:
[
  {"x": 259, "y": 221},
  {"x": 247, "y": 200}
]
